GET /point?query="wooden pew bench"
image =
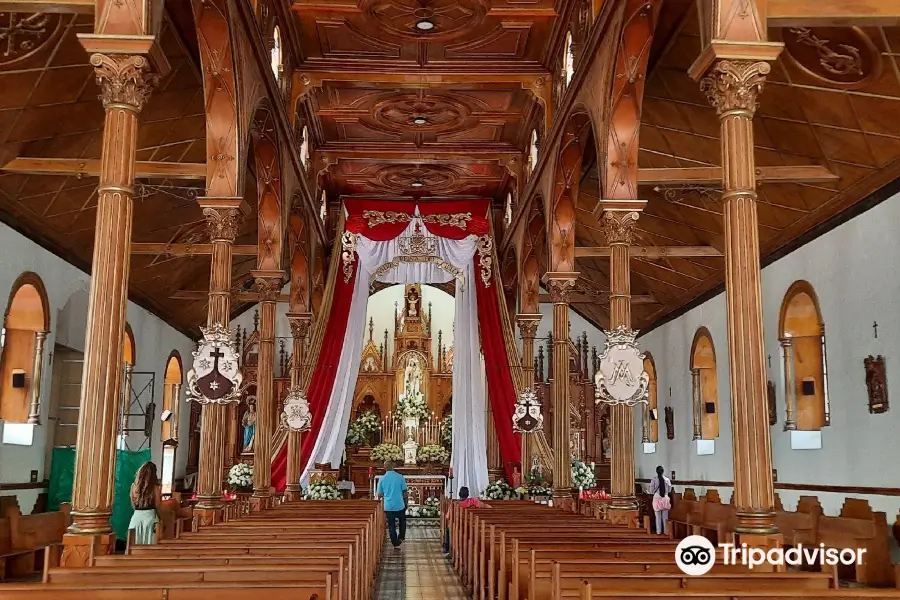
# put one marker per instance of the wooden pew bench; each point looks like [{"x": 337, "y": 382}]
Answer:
[{"x": 23, "y": 538}]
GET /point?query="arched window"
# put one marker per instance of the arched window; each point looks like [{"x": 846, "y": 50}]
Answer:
[
  {"x": 25, "y": 327},
  {"x": 304, "y": 146},
  {"x": 568, "y": 59},
  {"x": 323, "y": 207},
  {"x": 171, "y": 395},
  {"x": 508, "y": 215},
  {"x": 705, "y": 386},
  {"x": 651, "y": 421},
  {"x": 802, "y": 335},
  {"x": 275, "y": 55},
  {"x": 168, "y": 430},
  {"x": 128, "y": 359},
  {"x": 532, "y": 151}
]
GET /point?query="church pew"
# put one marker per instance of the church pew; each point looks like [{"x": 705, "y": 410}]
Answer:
[
  {"x": 233, "y": 590},
  {"x": 24, "y": 537},
  {"x": 588, "y": 591}
]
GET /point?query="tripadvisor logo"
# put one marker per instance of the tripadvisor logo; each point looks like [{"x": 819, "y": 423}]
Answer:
[{"x": 696, "y": 555}]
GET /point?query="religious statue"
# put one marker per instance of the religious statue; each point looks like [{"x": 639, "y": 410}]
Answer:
[
  {"x": 249, "y": 425},
  {"x": 876, "y": 384},
  {"x": 412, "y": 378},
  {"x": 370, "y": 366},
  {"x": 412, "y": 303}
]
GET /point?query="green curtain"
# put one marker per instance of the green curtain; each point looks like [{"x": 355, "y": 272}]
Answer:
[
  {"x": 127, "y": 464},
  {"x": 62, "y": 475}
]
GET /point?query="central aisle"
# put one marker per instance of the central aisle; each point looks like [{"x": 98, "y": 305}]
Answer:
[{"x": 418, "y": 571}]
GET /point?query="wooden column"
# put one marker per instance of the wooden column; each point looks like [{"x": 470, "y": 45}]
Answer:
[
  {"x": 125, "y": 84},
  {"x": 34, "y": 409},
  {"x": 790, "y": 385},
  {"x": 695, "y": 395},
  {"x": 618, "y": 225},
  {"x": 732, "y": 87},
  {"x": 224, "y": 218},
  {"x": 528, "y": 324},
  {"x": 300, "y": 323},
  {"x": 560, "y": 286},
  {"x": 268, "y": 284}
]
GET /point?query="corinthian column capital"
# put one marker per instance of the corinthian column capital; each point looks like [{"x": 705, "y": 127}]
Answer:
[
  {"x": 300, "y": 324},
  {"x": 560, "y": 285},
  {"x": 618, "y": 226},
  {"x": 734, "y": 85},
  {"x": 125, "y": 80},
  {"x": 268, "y": 284},
  {"x": 528, "y": 325}
]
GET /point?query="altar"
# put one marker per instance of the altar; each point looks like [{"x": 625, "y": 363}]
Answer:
[{"x": 421, "y": 487}]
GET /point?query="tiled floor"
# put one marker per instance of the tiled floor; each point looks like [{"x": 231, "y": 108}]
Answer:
[{"x": 418, "y": 570}]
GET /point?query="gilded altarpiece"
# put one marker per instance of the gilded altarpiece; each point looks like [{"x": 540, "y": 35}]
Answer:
[{"x": 385, "y": 371}]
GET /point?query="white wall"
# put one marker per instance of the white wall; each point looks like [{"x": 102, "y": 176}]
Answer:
[
  {"x": 851, "y": 270},
  {"x": 67, "y": 289}
]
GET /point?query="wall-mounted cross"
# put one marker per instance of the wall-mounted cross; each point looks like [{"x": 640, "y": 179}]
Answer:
[
  {"x": 769, "y": 358},
  {"x": 875, "y": 328}
]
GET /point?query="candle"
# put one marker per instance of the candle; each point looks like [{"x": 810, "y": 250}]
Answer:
[
  {"x": 371, "y": 471},
  {"x": 451, "y": 472}
]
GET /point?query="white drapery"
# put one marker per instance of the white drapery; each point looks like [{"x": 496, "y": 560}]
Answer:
[{"x": 469, "y": 455}]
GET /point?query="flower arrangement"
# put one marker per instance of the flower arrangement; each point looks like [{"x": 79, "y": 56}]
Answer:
[
  {"x": 385, "y": 452},
  {"x": 322, "y": 490},
  {"x": 432, "y": 453},
  {"x": 413, "y": 406},
  {"x": 499, "y": 490},
  {"x": 240, "y": 477},
  {"x": 447, "y": 432},
  {"x": 430, "y": 509},
  {"x": 539, "y": 490},
  {"x": 582, "y": 475},
  {"x": 361, "y": 430}
]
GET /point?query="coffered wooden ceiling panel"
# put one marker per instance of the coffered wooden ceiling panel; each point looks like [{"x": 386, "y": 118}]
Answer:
[
  {"x": 49, "y": 108},
  {"x": 475, "y": 32},
  {"x": 832, "y": 99}
]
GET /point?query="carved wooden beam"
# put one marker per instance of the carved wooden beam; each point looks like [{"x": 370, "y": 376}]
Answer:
[
  {"x": 238, "y": 297},
  {"x": 187, "y": 249},
  {"x": 713, "y": 175},
  {"x": 833, "y": 13},
  {"x": 601, "y": 299},
  {"x": 91, "y": 168},
  {"x": 652, "y": 252},
  {"x": 48, "y": 6}
]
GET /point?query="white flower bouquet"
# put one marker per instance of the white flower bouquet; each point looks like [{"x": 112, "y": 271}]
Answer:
[
  {"x": 413, "y": 407},
  {"x": 499, "y": 490},
  {"x": 429, "y": 510},
  {"x": 385, "y": 452},
  {"x": 354, "y": 437},
  {"x": 582, "y": 475},
  {"x": 240, "y": 477},
  {"x": 322, "y": 490},
  {"x": 360, "y": 431},
  {"x": 432, "y": 453},
  {"x": 539, "y": 490}
]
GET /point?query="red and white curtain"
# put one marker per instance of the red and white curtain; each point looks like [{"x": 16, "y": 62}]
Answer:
[{"x": 377, "y": 233}]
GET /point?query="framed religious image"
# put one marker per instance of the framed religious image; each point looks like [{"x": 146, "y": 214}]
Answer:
[
  {"x": 670, "y": 423},
  {"x": 770, "y": 397},
  {"x": 876, "y": 384}
]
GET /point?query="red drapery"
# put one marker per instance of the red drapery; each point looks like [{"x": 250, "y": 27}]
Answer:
[
  {"x": 497, "y": 366},
  {"x": 390, "y": 226},
  {"x": 322, "y": 380}
]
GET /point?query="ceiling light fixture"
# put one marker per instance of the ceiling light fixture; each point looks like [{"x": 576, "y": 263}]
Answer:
[
  {"x": 418, "y": 183},
  {"x": 424, "y": 24},
  {"x": 420, "y": 121}
]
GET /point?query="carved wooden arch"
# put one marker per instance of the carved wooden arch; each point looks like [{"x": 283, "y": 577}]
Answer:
[
  {"x": 176, "y": 356},
  {"x": 34, "y": 280},
  {"x": 533, "y": 260},
  {"x": 702, "y": 332},
  {"x": 300, "y": 276},
  {"x": 578, "y": 130},
  {"x": 225, "y": 159},
  {"x": 801, "y": 286},
  {"x": 653, "y": 403},
  {"x": 269, "y": 184},
  {"x": 620, "y": 170},
  {"x": 129, "y": 350}
]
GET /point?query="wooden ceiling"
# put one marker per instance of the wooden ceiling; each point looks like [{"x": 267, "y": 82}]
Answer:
[
  {"x": 397, "y": 112},
  {"x": 832, "y": 99}
]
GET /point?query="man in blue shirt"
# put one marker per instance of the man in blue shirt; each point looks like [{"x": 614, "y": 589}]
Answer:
[{"x": 392, "y": 487}]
